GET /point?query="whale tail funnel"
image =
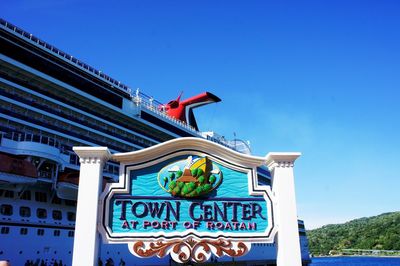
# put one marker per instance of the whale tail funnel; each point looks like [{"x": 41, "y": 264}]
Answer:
[{"x": 183, "y": 109}]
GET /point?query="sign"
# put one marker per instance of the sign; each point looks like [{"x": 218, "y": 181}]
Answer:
[
  {"x": 188, "y": 198},
  {"x": 188, "y": 203}
]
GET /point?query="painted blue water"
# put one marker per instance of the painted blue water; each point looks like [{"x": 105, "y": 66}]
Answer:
[{"x": 355, "y": 261}]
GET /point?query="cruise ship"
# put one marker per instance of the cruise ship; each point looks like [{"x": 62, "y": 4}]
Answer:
[{"x": 50, "y": 102}]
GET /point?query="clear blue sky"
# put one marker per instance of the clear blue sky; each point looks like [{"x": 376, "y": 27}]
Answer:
[{"x": 319, "y": 77}]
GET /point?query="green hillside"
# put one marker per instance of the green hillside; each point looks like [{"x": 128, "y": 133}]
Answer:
[{"x": 380, "y": 232}]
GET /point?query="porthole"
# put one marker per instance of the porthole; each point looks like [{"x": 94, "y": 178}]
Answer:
[
  {"x": 24, "y": 211},
  {"x": 71, "y": 216},
  {"x": 6, "y": 209},
  {"x": 41, "y": 213},
  {"x": 57, "y": 215}
]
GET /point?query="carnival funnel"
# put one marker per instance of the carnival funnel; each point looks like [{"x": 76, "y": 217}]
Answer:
[{"x": 183, "y": 109}]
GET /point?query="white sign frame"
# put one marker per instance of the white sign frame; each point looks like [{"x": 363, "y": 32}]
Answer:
[{"x": 282, "y": 195}]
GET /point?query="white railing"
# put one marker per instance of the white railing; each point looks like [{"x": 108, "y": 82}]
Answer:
[
  {"x": 149, "y": 103},
  {"x": 50, "y": 48}
]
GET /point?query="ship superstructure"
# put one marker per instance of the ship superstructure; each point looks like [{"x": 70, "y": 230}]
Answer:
[{"x": 49, "y": 102}]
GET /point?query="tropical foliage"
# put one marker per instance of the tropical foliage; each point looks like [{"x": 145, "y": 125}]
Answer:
[
  {"x": 380, "y": 232},
  {"x": 191, "y": 189}
]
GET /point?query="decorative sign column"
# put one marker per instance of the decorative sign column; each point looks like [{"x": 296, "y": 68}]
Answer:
[
  {"x": 188, "y": 198},
  {"x": 281, "y": 167},
  {"x": 92, "y": 160}
]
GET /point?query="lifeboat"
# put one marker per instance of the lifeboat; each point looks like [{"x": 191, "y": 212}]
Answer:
[
  {"x": 67, "y": 185},
  {"x": 17, "y": 171}
]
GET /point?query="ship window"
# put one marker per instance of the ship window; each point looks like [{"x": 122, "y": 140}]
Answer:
[
  {"x": 23, "y": 231},
  {"x": 51, "y": 142},
  {"x": 44, "y": 140},
  {"x": 56, "y": 233},
  {"x": 41, "y": 213},
  {"x": 15, "y": 136},
  {"x": 5, "y": 230},
  {"x": 40, "y": 232},
  {"x": 67, "y": 148},
  {"x": 8, "y": 194},
  {"x": 73, "y": 159},
  {"x": 57, "y": 215},
  {"x": 25, "y": 211},
  {"x": 36, "y": 138},
  {"x": 26, "y": 195},
  {"x": 8, "y": 135},
  {"x": 71, "y": 233},
  {"x": 116, "y": 170},
  {"x": 71, "y": 216},
  {"x": 6, "y": 209},
  {"x": 40, "y": 196},
  {"x": 28, "y": 137},
  {"x": 70, "y": 203},
  {"x": 56, "y": 200}
]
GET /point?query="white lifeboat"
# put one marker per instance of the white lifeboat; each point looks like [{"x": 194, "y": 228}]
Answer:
[{"x": 67, "y": 185}]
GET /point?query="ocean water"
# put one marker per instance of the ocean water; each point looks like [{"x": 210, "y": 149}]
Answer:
[{"x": 355, "y": 261}]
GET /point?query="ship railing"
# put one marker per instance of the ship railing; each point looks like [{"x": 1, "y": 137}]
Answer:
[
  {"x": 64, "y": 55},
  {"x": 148, "y": 102},
  {"x": 221, "y": 140},
  {"x": 152, "y": 105},
  {"x": 29, "y": 137}
]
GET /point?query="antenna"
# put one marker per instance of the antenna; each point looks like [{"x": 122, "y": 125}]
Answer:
[{"x": 136, "y": 99}]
